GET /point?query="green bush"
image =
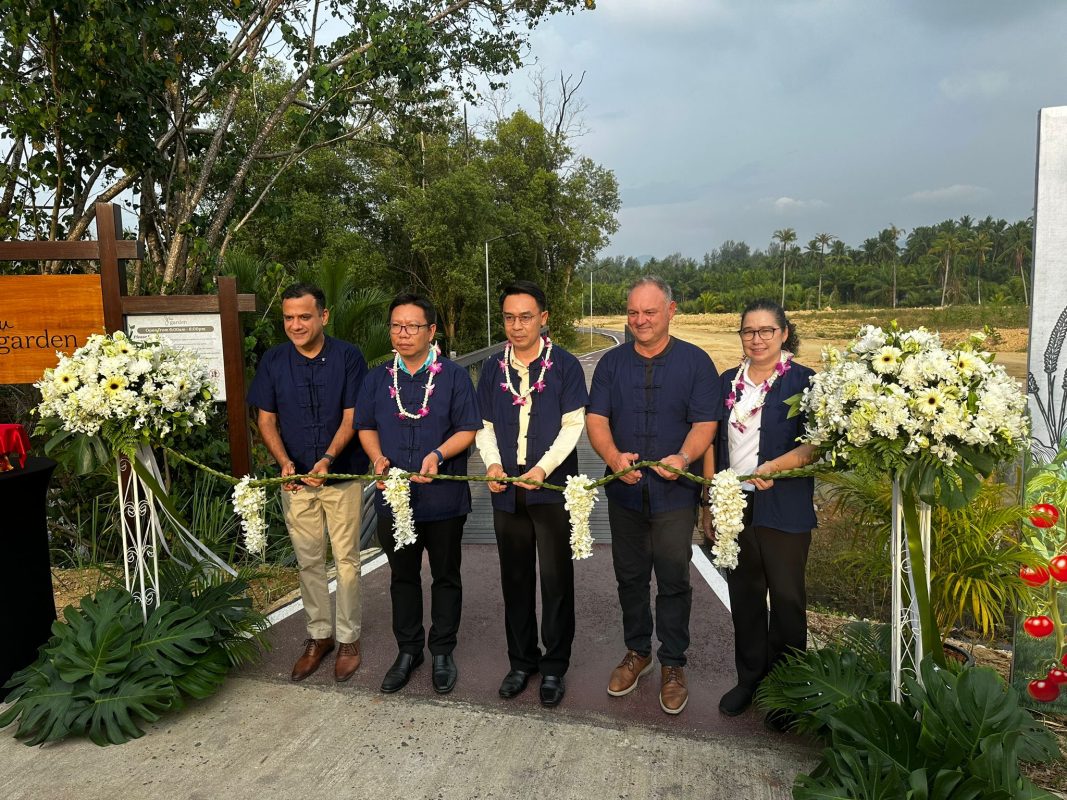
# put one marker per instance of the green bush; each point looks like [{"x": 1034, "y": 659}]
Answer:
[{"x": 105, "y": 671}]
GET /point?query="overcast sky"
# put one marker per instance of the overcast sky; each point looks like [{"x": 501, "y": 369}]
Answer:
[{"x": 725, "y": 119}]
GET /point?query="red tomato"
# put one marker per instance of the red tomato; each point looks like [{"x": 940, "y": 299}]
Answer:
[
  {"x": 1034, "y": 576},
  {"x": 1057, "y": 676},
  {"x": 1044, "y": 515},
  {"x": 1043, "y": 691},
  {"x": 1038, "y": 627},
  {"x": 1058, "y": 568},
  {"x": 1064, "y": 660}
]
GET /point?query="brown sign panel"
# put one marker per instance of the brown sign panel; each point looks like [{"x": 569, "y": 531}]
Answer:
[{"x": 40, "y": 314}]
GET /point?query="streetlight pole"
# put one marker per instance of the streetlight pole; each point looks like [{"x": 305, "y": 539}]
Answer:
[
  {"x": 488, "y": 313},
  {"x": 590, "y": 307}
]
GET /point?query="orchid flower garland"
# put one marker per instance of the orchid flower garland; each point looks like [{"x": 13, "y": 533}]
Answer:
[
  {"x": 728, "y": 503},
  {"x": 536, "y": 386},
  {"x": 579, "y": 500},
  {"x": 250, "y": 503},
  {"x": 394, "y": 391},
  {"x": 738, "y": 419}
]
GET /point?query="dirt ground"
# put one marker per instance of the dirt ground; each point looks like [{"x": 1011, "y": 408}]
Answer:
[{"x": 716, "y": 335}]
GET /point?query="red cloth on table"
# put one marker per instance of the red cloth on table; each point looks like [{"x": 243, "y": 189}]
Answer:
[{"x": 13, "y": 439}]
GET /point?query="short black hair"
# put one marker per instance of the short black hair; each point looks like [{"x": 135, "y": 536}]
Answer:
[
  {"x": 302, "y": 290},
  {"x": 412, "y": 299},
  {"x": 525, "y": 287}
]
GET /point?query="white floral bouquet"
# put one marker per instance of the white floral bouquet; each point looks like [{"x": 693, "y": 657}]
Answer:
[
  {"x": 900, "y": 402},
  {"x": 125, "y": 391},
  {"x": 579, "y": 501},
  {"x": 250, "y": 503}
]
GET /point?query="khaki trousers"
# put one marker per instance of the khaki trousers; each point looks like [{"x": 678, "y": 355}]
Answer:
[{"x": 310, "y": 514}]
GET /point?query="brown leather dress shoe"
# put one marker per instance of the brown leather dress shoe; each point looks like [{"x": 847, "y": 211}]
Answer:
[
  {"x": 673, "y": 693},
  {"x": 348, "y": 660},
  {"x": 314, "y": 651},
  {"x": 624, "y": 677}
]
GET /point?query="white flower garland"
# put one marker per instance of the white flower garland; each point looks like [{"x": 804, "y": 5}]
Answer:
[
  {"x": 250, "y": 503},
  {"x": 394, "y": 390},
  {"x": 397, "y": 495},
  {"x": 579, "y": 501},
  {"x": 728, "y": 503},
  {"x": 535, "y": 386}
]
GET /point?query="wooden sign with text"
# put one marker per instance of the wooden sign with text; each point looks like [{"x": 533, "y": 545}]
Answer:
[{"x": 42, "y": 314}]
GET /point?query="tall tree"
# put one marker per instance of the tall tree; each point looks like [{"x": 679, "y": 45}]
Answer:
[
  {"x": 100, "y": 98},
  {"x": 1020, "y": 244},
  {"x": 785, "y": 237},
  {"x": 979, "y": 246},
  {"x": 947, "y": 245},
  {"x": 824, "y": 240}
]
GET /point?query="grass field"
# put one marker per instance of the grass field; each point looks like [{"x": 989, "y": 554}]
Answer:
[{"x": 716, "y": 333}]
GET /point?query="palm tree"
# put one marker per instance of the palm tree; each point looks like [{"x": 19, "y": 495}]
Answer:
[
  {"x": 1020, "y": 239},
  {"x": 823, "y": 240},
  {"x": 786, "y": 237},
  {"x": 887, "y": 246},
  {"x": 707, "y": 301},
  {"x": 948, "y": 244},
  {"x": 980, "y": 244}
]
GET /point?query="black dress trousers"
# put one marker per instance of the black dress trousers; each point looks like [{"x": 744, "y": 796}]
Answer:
[
  {"x": 536, "y": 533},
  {"x": 441, "y": 541}
]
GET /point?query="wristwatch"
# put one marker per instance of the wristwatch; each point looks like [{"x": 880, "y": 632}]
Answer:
[{"x": 329, "y": 457}]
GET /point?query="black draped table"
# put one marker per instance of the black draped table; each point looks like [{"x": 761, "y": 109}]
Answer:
[{"x": 26, "y": 623}]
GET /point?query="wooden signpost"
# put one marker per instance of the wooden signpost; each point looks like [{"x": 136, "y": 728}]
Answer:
[{"x": 42, "y": 314}]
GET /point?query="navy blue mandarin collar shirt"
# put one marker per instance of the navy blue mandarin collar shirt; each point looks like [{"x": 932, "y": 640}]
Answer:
[
  {"x": 406, "y": 442},
  {"x": 651, "y": 405},
  {"x": 310, "y": 396},
  {"x": 788, "y": 505},
  {"x": 564, "y": 392}
]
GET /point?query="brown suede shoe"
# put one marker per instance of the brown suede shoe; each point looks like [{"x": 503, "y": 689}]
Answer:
[
  {"x": 348, "y": 660},
  {"x": 673, "y": 693},
  {"x": 624, "y": 677},
  {"x": 314, "y": 650}
]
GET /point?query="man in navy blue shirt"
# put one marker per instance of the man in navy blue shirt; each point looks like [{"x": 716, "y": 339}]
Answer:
[
  {"x": 306, "y": 392},
  {"x": 418, "y": 413},
  {"x": 533, "y": 412},
  {"x": 653, "y": 399}
]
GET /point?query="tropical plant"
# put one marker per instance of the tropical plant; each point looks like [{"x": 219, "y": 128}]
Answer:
[
  {"x": 954, "y": 736},
  {"x": 785, "y": 237},
  {"x": 105, "y": 670},
  {"x": 975, "y": 552}
]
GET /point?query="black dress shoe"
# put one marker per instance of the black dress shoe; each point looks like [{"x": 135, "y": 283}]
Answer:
[
  {"x": 444, "y": 673},
  {"x": 552, "y": 690},
  {"x": 398, "y": 675},
  {"x": 514, "y": 683},
  {"x": 736, "y": 700}
]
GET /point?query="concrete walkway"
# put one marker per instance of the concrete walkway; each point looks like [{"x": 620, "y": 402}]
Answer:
[
  {"x": 261, "y": 739},
  {"x": 265, "y": 737}
]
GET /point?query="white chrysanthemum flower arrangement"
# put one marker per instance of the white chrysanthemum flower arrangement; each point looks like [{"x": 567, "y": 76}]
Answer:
[
  {"x": 727, "y": 512},
  {"x": 125, "y": 391},
  {"x": 898, "y": 399},
  {"x": 397, "y": 495}
]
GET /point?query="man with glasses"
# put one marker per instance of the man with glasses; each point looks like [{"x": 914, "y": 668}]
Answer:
[
  {"x": 418, "y": 413},
  {"x": 305, "y": 391},
  {"x": 532, "y": 401},
  {"x": 653, "y": 399}
]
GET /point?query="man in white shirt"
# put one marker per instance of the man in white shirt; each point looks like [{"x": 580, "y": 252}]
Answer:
[{"x": 532, "y": 401}]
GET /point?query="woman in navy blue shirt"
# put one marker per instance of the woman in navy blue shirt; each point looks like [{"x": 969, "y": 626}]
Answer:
[{"x": 759, "y": 437}]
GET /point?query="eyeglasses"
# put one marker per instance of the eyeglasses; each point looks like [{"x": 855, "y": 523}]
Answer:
[
  {"x": 748, "y": 334},
  {"x": 413, "y": 328},
  {"x": 522, "y": 319}
]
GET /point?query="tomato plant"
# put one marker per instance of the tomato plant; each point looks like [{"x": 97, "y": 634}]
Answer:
[
  {"x": 1044, "y": 515},
  {"x": 1043, "y": 691},
  {"x": 1034, "y": 576},
  {"x": 1038, "y": 627},
  {"x": 1058, "y": 568}
]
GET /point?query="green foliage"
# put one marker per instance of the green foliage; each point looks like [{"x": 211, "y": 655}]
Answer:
[
  {"x": 954, "y": 736},
  {"x": 975, "y": 550},
  {"x": 813, "y": 685},
  {"x": 106, "y": 671}
]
